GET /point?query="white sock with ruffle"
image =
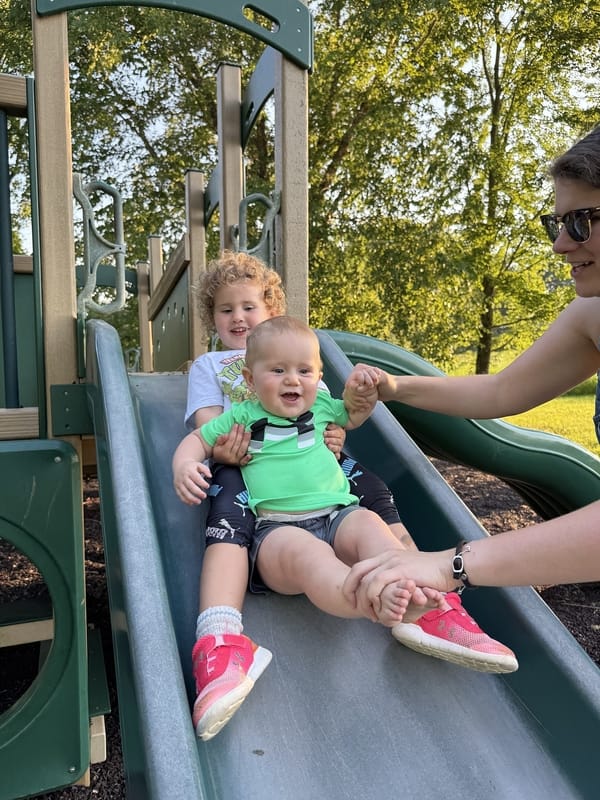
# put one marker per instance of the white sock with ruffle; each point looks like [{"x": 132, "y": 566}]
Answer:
[{"x": 219, "y": 619}]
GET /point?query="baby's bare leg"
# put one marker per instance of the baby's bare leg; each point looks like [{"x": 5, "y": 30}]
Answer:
[
  {"x": 362, "y": 534},
  {"x": 403, "y": 536},
  {"x": 293, "y": 561}
]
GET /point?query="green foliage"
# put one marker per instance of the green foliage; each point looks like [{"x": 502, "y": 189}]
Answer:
[
  {"x": 144, "y": 107},
  {"x": 433, "y": 150}
]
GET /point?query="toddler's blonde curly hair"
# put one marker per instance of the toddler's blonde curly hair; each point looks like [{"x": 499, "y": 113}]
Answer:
[{"x": 231, "y": 268}]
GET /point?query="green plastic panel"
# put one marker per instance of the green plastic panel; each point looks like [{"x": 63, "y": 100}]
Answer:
[
  {"x": 260, "y": 87},
  {"x": 44, "y": 736},
  {"x": 26, "y": 344},
  {"x": 170, "y": 330},
  {"x": 98, "y": 694},
  {"x": 37, "y": 261},
  {"x": 286, "y": 25}
]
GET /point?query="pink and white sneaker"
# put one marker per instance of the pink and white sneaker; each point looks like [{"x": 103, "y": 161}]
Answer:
[
  {"x": 453, "y": 635},
  {"x": 225, "y": 668}
]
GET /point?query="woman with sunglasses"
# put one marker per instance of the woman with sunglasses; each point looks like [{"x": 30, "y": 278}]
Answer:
[{"x": 565, "y": 549}]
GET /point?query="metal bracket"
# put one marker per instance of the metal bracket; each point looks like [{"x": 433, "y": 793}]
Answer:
[{"x": 70, "y": 411}]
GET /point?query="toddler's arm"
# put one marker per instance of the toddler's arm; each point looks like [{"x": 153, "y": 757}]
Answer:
[{"x": 189, "y": 471}]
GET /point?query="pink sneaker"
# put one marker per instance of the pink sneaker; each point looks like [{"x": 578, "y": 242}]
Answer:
[
  {"x": 454, "y": 636},
  {"x": 225, "y": 668}
]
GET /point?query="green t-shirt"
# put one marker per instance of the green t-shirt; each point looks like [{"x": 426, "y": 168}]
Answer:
[{"x": 291, "y": 469}]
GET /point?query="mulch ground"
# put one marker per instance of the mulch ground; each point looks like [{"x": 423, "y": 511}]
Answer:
[{"x": 495, "y": 504}]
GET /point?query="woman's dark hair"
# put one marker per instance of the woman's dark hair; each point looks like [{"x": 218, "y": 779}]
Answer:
[{"x": 581, "y": 162}]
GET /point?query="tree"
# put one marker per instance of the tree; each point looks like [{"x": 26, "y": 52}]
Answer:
[{"x": 439, "y": 132}]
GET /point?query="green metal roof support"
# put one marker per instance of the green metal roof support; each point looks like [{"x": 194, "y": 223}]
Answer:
[{"x": 286, "y": 25}]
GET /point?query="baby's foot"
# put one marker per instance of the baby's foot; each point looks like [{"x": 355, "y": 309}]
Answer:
[
  {"x": 394, "y": 600},
  {"x": 422, "y": 601}
]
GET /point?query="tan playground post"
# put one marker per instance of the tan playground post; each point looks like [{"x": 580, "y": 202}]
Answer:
[
  {"x": 53, "y": 121},
  {"x": 229, "y": 133},
  {"x": 291, "y": 179},
  {"x": 194, "y": 221},
  {"x": 290, "y": 84}
]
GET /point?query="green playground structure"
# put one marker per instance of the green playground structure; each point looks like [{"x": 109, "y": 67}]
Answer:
[{"x": 343, "y": 711}]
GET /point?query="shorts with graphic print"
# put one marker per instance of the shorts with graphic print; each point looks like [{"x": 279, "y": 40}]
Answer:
[{"x": 229, "y": 518}]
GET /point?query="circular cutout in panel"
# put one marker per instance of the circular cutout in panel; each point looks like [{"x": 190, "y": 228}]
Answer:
[{"x": 26, "y": 624}]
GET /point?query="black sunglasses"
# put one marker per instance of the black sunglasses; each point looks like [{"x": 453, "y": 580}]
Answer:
[{"x": 578, "y": 224}]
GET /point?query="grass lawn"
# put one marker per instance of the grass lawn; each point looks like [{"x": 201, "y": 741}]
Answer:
[
  {"x": 566, "y": 416},
  {"x": 569, "y": 416}
]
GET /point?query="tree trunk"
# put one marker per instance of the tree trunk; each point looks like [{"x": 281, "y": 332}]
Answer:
[{"x": 484, "y": 347}]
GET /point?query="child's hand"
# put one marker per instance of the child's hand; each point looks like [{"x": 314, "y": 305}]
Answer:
[
  {"x": 232, "y": 448},
  {"x": 190, "y": 482},
  {"x": 360, "y": 392},
  {"x": 334, "y": 437}
]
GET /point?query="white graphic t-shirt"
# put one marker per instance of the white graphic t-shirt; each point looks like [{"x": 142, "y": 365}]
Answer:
[{"x": 215, "y": 379}]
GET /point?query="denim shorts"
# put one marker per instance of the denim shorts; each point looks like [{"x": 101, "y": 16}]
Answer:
[{"x": 323, "y": 527}]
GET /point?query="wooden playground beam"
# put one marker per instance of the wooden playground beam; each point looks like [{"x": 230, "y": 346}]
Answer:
[
  {"x": 178, "y": 261},
  {"x": 229, "y": 137},
  {"x": 19, "y": 423},
  {"x": 55, "y": 171},
  {"x": 23, "y": 264},
  {"x": 13, "y": 95},
  {"x": 291, "y": 178},
  {"x": 194, "y": 215}
]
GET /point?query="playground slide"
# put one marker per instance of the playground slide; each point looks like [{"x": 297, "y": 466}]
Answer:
[
  {"x": 343, "y": 711},
  {"x": 553, "y": 474}
]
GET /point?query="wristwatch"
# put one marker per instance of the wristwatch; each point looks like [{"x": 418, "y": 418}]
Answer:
[{"x": 458, "y": 566}]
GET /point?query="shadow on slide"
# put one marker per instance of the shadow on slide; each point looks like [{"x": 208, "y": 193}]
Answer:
[
  {"x": 552, "y": 474},
  {"x": 343, "y": 711}
]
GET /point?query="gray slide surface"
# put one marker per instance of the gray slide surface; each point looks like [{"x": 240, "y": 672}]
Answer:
[{"x": 343, "y": 711}]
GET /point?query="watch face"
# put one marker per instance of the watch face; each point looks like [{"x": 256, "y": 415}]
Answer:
[{"x": 457, "y": 566}]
